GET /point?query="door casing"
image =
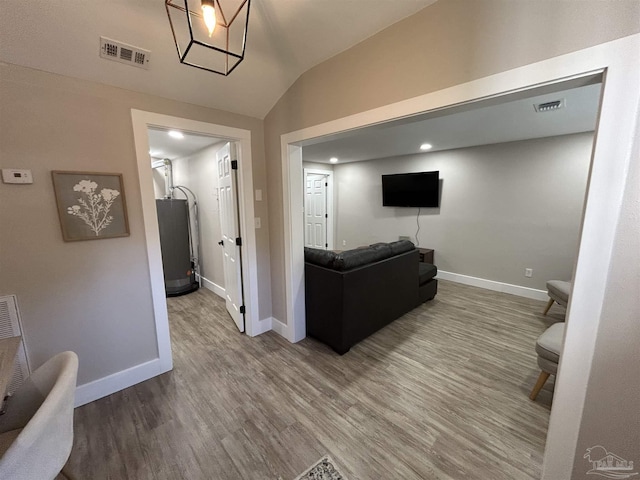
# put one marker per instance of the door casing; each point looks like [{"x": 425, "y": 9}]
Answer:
[{"x": 141, "y": 120}]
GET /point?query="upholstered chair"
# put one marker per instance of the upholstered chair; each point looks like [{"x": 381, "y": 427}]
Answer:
[
  {"x": 548, "y": 348},
  {"x": 36, "y": 432},
  {"x": 558, "y": 292}
]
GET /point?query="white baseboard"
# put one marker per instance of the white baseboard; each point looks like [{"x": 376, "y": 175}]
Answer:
[
  {"x": 495, "y": 286},
  {"x": 117, "y": 381},
  {"x": 280, "y": 328},
  {"x": 264, "y": 325},
  {"x": 215, "y": 288}
]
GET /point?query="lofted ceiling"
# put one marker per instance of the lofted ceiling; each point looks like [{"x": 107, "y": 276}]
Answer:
[
  {"x": 285, "y": 38},
  {"x": 505, "y": 120}
]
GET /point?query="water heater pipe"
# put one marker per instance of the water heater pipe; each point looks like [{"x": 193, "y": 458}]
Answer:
[{"x": 168, "y": 178}]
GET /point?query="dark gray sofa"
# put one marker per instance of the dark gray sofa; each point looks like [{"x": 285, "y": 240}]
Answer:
[{"x": 352, "y": 294}]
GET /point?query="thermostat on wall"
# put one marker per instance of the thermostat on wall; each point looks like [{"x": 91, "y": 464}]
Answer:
[{"x": 14, "y": 175}]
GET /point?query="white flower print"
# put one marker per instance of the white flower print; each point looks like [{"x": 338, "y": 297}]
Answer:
[{"x": 93, "y": 208}]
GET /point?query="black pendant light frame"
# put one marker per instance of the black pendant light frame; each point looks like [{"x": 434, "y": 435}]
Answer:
[{"x": 193, "y": 41}]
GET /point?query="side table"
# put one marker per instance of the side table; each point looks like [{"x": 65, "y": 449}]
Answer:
[{"x": 426, "y": 255}]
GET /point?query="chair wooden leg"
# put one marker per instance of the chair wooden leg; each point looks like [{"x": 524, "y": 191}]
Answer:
[
  {"x": 548, "y": 306},
  {"x": 539, "y": 384}
]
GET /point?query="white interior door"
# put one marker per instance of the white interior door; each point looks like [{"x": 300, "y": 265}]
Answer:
[
  {"x": 315, "y": 232},
  {"x": 230, "y": 232}
]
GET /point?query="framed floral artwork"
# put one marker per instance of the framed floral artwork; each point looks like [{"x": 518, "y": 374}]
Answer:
[{"x": 91, "y": 205}]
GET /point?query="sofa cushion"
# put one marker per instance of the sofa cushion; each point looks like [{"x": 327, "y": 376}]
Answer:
[
  {"x": 401, "y": 246},
  {"x": 361, "y": 256},
  {"x": 426, "y": 272},
  {"x": 358, "y": 257},
  {"x": 322, "y": 258},
  {"x": 383, "y": 250}
]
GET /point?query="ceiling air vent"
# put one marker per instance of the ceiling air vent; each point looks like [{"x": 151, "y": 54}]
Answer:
[
  {"x": 123, "y": 53},
  {"x": 549, "y": 106}
]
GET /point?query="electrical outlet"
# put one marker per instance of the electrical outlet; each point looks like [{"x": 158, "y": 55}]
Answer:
[
  {"x": 402, "y": 237},
  {"x": 528, "y": 272},
  {"x": 344, "y": 243}
]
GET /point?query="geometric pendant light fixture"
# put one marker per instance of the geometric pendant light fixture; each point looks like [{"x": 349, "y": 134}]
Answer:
[{"x": 209, "y": 34}]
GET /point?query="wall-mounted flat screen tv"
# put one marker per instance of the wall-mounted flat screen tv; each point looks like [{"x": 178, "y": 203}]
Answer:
[{"x": 411, "y": 189}]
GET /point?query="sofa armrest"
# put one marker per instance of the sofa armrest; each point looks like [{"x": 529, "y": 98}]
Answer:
[{"x": 324, "y": 297}]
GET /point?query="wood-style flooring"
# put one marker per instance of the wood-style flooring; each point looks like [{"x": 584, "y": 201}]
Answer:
[{"x": 441, "y": 393}]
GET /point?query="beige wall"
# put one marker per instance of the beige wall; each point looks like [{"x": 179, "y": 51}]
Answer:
[
  {"x": 503, "y": 208},
  {"x": 446, "y": 44},
  {"x": 92, "y": 297}
]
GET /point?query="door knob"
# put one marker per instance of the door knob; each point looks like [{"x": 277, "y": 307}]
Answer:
[{"x": 221, "y": 242}]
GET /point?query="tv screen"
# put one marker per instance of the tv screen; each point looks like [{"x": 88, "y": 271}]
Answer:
[{"x": 411, "y": 189}]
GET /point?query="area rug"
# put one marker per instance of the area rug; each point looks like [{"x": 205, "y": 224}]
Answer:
[{"x": 323, "y": 469}]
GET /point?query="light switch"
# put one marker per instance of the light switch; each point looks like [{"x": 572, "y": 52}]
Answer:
[
  {"x": 258, "y": 197},
  {"x": 14, "y": 175},
  {"x": 257, "y": 222}
]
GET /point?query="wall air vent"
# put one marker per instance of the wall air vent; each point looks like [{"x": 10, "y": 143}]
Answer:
[
  {"x": 549, "y": 106},
  {"x": 123, "y": 53},
  {"x": 10, "y": 327}
]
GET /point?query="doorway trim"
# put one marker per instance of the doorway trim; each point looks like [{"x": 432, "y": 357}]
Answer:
[
  {"x": 330, "y": 234},
  {"x": 611, "y": 156},
  {"x": 141, "y": 121}
]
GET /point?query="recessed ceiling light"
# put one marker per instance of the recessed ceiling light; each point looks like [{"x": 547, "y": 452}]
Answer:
[
  {"x": 175, "y": 134},
  {"x": 333, "y": 160},
  {"x": 426, "y": 146}
]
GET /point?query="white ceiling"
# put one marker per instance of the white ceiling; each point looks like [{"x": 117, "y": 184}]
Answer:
[
  {"x": 508, "y": 121},
  {"x": 162, "y": 145},
  {"x": 285, "y": 38}
]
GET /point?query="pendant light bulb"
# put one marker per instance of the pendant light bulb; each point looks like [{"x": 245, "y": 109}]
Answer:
[{"x": 209, "y": 15}]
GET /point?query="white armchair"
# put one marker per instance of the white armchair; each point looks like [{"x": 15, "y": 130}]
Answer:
[{"x": 36, "y": 432}]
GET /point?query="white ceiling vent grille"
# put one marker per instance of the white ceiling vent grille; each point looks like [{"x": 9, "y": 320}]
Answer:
[
  {"x": 549, "y": 106},
  {"x": 123, "y": 53}
]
